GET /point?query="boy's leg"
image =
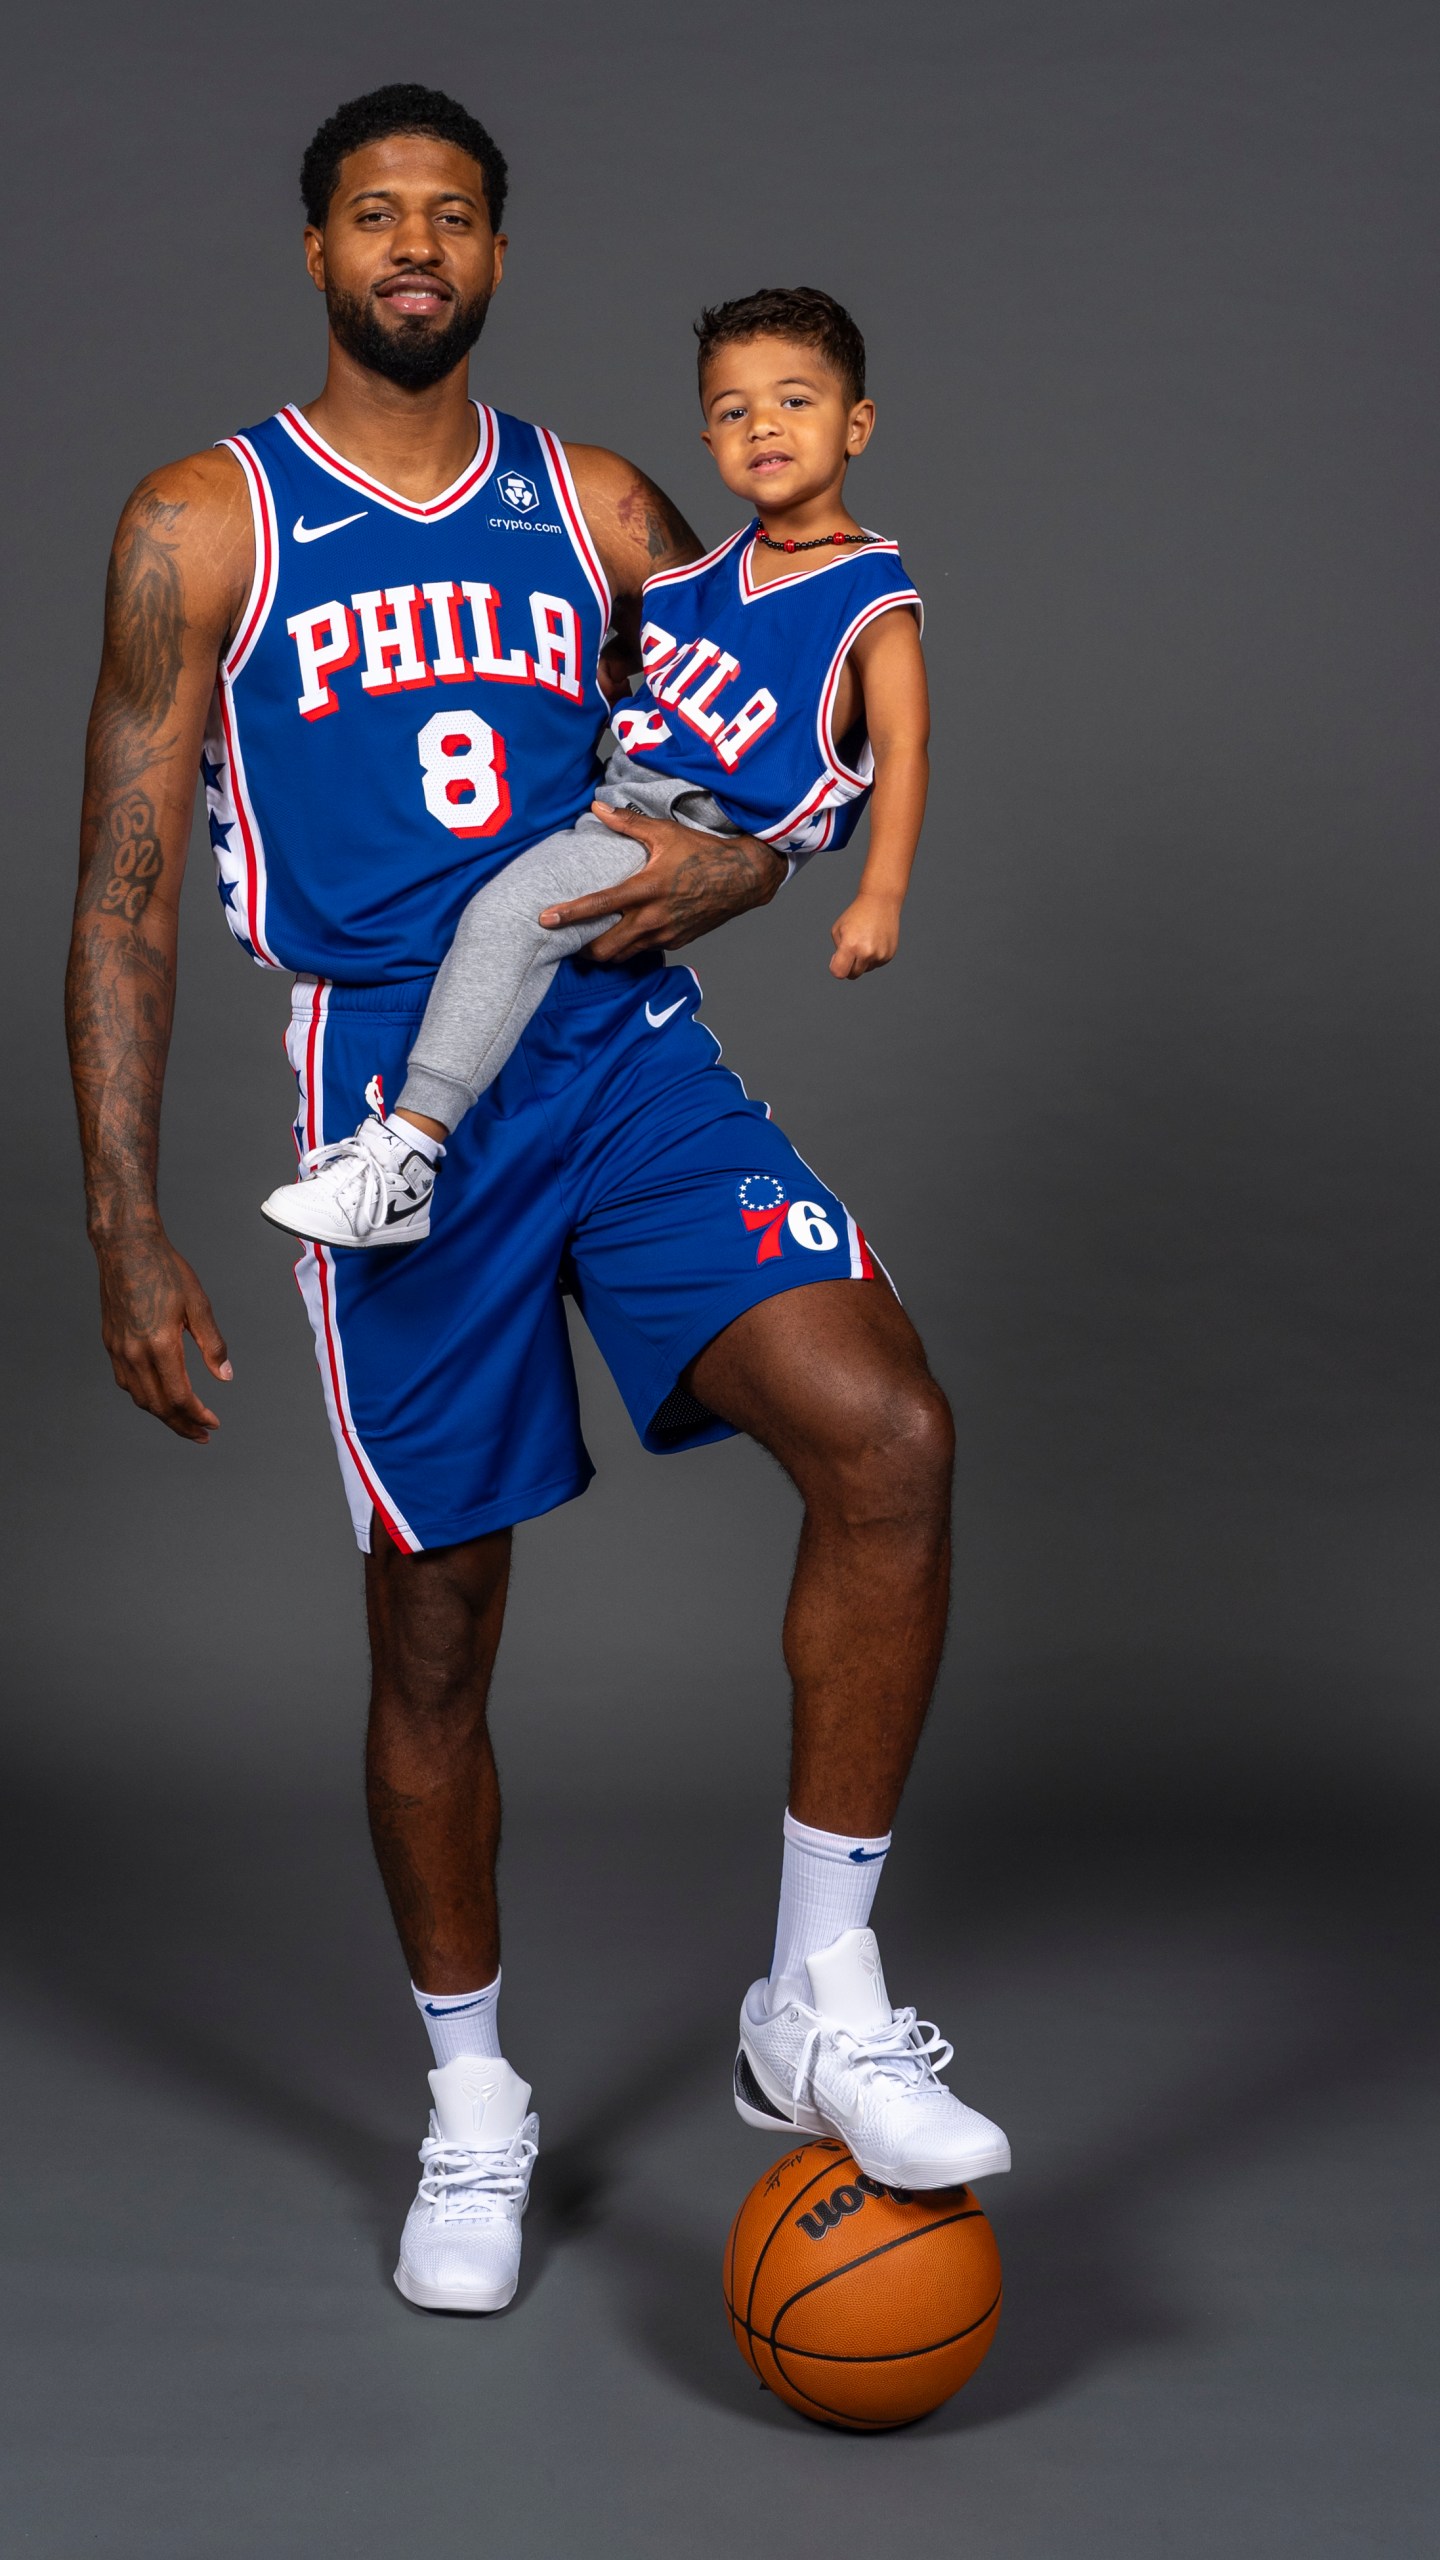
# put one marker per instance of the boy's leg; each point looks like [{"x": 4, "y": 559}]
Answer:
[{"x": 500, "y": 964}]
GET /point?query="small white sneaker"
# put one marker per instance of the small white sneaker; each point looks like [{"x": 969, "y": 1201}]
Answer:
[
  {"x": 460, "y": 2248},
  {"x": 852, "y": 2066},
  {"x": 371, "y": 1189}
]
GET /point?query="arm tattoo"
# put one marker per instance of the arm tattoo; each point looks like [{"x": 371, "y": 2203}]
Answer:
[
  {"x": 127, "y": 859},
  {"x": 145, "y": 638},
  {"x": 722, "y": 877},
  {"x": 119, "y": 1002},
  {"x": 145, "y": 605},
  {"x": 121, "y": 983},
  {"x": 648, "y": 516}
]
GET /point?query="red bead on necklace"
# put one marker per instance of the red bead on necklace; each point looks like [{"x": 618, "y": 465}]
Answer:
[{"x": 820, "y": 542}]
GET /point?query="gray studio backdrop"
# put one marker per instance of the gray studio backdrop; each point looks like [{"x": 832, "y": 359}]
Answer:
[{"x": 1141, "y": 1118}]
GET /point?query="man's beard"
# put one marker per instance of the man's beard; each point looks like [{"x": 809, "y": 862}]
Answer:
[{"x": 416, "y": 354}]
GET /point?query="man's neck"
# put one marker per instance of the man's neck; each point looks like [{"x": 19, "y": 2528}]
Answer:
[{"x": 415, "y": 442}]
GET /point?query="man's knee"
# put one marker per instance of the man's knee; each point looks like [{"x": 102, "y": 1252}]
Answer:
[
  {"x": 885, "y": 1452},
  {"x": 434, "y": 1622}
]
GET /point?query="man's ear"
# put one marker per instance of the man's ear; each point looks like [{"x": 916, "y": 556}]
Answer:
[{"x": 315, "y": 256}]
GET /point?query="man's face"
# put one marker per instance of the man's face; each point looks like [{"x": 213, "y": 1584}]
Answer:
[{"x": 407, "y": 260}]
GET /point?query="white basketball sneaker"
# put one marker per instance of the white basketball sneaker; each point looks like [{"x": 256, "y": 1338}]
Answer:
[
  {"x": 460, "y": 2248},
  {"x": 371, "y": 1189},
  {"x": 850, "y": 2065}
]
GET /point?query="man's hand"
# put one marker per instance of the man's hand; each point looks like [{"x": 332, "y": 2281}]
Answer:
[
  {"x": 690, "y": 883},
  {"x": 149, "y": 1300}
]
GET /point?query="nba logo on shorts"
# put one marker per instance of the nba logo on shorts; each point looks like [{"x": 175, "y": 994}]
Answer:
[{"x": 518, "y": 492}]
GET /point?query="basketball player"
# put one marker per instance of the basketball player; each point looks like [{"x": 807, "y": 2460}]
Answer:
[
  {"x": 379, "y": 623},
  {"x": 782, "y": 386}
]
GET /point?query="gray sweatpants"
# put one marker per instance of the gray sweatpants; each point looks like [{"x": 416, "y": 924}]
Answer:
[{"x": 499, "y": 966}]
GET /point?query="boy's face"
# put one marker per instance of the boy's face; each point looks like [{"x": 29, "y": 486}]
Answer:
[{"x": 779, "y": 422}]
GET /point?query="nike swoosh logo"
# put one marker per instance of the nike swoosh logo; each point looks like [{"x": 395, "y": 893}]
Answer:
[
  {"x": 300, "y": 531},
  {"x": 457, "y": 2012},
  {"x": 865, "y": 1857},
  {"x": 655, "y": 1019}
]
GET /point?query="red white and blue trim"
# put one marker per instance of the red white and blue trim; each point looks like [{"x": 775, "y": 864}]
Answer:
[
  {"x": 752, "y": 589},
  {"x": 315, "y": 1280},
  {"x": 714, "y": 629},
  {"x": 234, "y": 830},
  {"x": 573, "y": 519},
  {"x": 838, "y": 782},
  {"x": 419, "y": 511}
]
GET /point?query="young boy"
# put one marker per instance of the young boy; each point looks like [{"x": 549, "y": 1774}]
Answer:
[{"x": 783, "y": 687}]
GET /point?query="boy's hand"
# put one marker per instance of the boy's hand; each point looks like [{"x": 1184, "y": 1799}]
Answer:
[{"x": 866, "y": 936}]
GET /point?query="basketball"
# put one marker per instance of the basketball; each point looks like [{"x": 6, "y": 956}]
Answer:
[{"x": 862, "y": 2306}]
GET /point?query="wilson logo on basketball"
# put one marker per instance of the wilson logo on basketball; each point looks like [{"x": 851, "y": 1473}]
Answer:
[{"x": 832, "y": 2210}]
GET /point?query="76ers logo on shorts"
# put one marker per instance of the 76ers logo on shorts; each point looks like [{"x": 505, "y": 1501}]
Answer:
[{"x": 768, "y": 1213}]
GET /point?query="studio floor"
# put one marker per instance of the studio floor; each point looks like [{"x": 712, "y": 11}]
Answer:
[{"x": 1215, "y": 2059}]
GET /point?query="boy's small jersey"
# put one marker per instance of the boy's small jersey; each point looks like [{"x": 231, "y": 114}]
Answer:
[
  {"x": 740, "y": 681},
  {"x": 410, "y": 700}
]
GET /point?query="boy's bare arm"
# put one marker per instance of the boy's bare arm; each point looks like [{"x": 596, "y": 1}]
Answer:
[
  {"x": 890, "y": 667},
  {"x": 179, "y": 572}
]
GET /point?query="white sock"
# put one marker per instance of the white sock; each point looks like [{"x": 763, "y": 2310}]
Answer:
[
  {"x": 827, "y": 1885},
  {"x": 461, "y": 2022},
  {"x": 405, "y": 1134}
]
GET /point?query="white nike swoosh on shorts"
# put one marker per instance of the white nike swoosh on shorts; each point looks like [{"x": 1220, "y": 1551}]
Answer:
[
  {"x": 300, "y": 531},
  {"x": 655, "y": 1019}
]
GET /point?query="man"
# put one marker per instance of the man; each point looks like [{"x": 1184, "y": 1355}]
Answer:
[{"x": 388, "y": 625}]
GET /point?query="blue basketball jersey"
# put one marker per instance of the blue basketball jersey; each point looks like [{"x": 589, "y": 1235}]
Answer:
[
  {"x": 740, "y": 680},
  {"x": 410, "y": 700}
]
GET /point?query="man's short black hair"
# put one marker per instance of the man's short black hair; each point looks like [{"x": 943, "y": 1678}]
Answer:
[
  {"x": 402, "y": 108},
  {"x": 799, "y": 311}
]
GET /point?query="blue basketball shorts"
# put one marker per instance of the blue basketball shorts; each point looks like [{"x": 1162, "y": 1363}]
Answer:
[{"x": 614, "y": 1159}]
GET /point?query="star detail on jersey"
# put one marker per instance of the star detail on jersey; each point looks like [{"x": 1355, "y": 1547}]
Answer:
[{"x": 762, "y": 1192}]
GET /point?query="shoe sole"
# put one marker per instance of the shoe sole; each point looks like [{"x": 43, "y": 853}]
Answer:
[
  {"x": 429, "y": 2298},
  {"x": 348, "y": 1244},
  {"x": 755, "y": 2106}
]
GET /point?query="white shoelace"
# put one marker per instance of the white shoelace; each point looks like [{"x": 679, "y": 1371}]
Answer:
[
  {"x": 469, "y": 2186},
  {"x": 911, "y": 2051},
  {"x": 361, "y": 1193}
]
